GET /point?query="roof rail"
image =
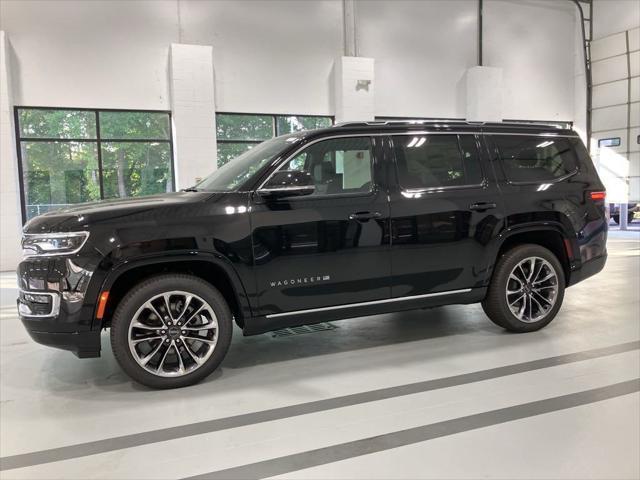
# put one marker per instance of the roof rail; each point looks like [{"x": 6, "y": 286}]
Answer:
[
  {"x": 397, "y": 122},
  {"x": 559, "y": 125}
]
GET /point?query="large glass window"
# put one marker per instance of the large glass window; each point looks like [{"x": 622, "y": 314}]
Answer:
[
  {"x": 72, "y": 156},
  {"x": 535, "y": 158},
  {"x": 336, "y": 166},
  {"x": 240, "y": 132},
  {"x": 435, "y": 161}
]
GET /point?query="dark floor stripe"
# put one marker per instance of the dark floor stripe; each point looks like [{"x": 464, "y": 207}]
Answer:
[
  {"x": 357, "y": 448},
  {"x": 208, "y": 426}
]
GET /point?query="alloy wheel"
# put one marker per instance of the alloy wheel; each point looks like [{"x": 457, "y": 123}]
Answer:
[
  {"x": 532, "y": 289},
  {"x": 173, "y": 334}
]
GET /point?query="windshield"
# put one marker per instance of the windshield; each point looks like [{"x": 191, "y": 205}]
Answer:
[{"x": 233, "y": 174}]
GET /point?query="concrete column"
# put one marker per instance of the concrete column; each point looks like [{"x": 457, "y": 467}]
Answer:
[
  {"x": 193, "y": 107},
  {"x": 10, "y": 211},
  {"x": 354, "y": 89},
  {"x": 484, "y": 94}
]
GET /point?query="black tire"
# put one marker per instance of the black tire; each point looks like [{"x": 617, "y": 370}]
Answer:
[
  {"x": 150, "y": 288},
  {"x": 495, "y": 303},
  {"x": 616, "y": 218}
]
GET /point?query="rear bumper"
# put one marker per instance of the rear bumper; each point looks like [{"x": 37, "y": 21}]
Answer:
[{"x": 588, "y": 269}]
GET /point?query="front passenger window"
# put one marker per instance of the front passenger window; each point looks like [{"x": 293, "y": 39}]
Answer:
[{"x": 337, "y": 166}]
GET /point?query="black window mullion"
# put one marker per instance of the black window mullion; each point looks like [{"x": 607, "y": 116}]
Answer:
[{"x": 99, "y": 146}]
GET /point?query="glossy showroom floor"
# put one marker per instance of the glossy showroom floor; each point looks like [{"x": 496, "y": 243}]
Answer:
[{"x": 425, "y": 394}]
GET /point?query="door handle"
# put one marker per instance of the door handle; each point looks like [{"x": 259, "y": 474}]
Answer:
[
  {"x": 364, "y": 216},
  {"x": 482, "y": 206}
]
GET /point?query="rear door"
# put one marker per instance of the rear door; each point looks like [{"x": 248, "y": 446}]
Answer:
[{"x": 445, "y": 209}]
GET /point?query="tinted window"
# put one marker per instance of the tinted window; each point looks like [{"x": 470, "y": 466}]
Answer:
[
  {"x": 336, "y": 166},
  {"x": 433, "y": 161},
  {"x": 535, "y": 159}
]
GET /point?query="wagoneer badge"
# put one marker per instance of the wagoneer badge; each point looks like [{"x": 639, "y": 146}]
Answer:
[{"x": 300, "y": 280}]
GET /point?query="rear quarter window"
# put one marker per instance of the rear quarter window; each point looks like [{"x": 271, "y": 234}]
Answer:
[{"x": 535, "y": 159}]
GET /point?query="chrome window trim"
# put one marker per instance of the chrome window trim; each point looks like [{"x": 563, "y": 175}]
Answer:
[
  {"x": 283, "y": 188},
  {"x": 389, "y": 134},
  {"x": 55, "y": 235},
  {"x": 363, "y": 304},
  {"x": 538, "y": 182},
  {"x": 413, "y": 191},
  {"x": 55, "y": 304}
]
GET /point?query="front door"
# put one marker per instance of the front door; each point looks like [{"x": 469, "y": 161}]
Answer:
[
  {"x": 329, "y": 248},
  {"x": 444, "y": 212}
]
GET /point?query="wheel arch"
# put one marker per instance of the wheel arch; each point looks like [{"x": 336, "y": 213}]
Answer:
[
  {"x": 551, "y": 236},
  {"x": 214, "y": 271}
]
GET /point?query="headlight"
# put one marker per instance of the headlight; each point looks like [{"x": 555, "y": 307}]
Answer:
[{"x": 43, "y": 244}]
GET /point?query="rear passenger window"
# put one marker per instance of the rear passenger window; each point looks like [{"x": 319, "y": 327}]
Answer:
[
  {"x": 535, "y": 159},
  {"x": 435, "y": 161}
]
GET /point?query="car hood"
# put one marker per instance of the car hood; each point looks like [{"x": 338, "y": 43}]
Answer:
[{"x": 81, "y": 216}]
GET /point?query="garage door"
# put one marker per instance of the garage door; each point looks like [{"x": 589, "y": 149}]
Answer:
[{"x": 616, "y": 114}]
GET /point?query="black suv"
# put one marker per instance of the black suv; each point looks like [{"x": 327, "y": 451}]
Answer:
[{"x": 352, "y": 220}]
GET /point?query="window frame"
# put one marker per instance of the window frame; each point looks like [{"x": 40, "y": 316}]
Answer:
[
  {"x": 286, "y": 159},
  {"x": 98, "y": 141},
  {"x": 410, "y": 191},
  {"x": 498, "y": 155},
  {"x": 274, "y": 127}
]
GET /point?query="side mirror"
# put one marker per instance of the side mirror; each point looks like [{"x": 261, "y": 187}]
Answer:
[{"x": 288, "y": 183}]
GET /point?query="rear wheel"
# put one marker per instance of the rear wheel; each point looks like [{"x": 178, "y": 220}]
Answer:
[
  {"x": 526, "y": 290},
  {"x": 171, "y": 331}
]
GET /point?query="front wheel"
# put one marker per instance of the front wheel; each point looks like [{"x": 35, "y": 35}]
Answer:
[
  {"x": 526, "y": 290},
  {"x": 171, "y": 331}
]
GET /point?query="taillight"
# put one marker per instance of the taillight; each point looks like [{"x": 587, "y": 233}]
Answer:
[{"x": 598, "y": 195}]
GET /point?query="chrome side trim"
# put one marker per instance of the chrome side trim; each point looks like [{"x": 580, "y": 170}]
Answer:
[
  {"x": 55, "y": 304},
  {"x": 363, "y": 304}
]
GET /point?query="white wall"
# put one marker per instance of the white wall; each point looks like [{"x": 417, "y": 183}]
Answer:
[
  {"x": 422, "y": 51},
  {"x": 614, "y": 16},
  {"x": 269, "y": 56},
  {"x": 277, "y": 56},
  {"x": 273, "y": 57},
  {"x": 91, "y": 54},
  {"x": 534, "y": 43}
]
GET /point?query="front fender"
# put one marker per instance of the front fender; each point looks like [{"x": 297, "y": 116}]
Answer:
[{"x": 111, "y": 275}]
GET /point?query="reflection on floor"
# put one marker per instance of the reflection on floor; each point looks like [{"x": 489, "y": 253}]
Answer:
[{"x": 392, "y": 396}]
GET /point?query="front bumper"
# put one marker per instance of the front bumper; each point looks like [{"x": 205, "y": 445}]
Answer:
[
  {"x": 82, "y": 344},
  {"x": 56, "y": 303}
]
